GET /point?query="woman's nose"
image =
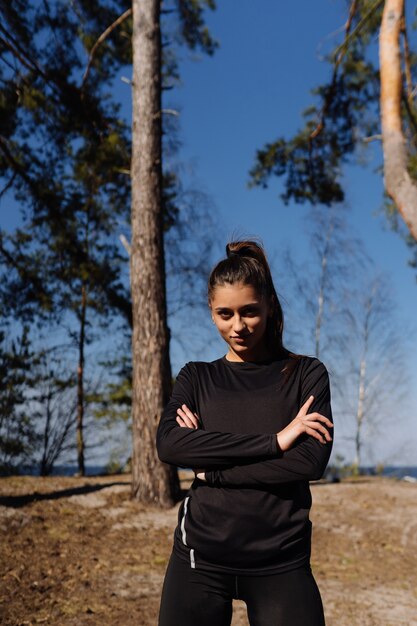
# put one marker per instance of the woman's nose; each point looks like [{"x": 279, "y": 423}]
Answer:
[{"x": 238, "y": 324}]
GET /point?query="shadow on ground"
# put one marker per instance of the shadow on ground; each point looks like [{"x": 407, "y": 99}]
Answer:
[{"x": 23, "y": 500}]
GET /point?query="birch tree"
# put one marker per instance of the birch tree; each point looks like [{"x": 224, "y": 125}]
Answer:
[
  {"x": 375, "y": 392},
  {"x": 321, "y": 285}
]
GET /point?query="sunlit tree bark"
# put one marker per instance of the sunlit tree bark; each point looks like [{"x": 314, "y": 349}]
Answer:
[
  {"x": 152, "y": 481},
  {"x": 398, "y": 183}
]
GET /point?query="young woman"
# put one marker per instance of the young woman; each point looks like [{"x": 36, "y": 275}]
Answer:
[{"x": 255, "y": 426}]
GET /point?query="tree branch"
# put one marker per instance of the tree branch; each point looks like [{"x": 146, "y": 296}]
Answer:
[
  {"x": 407, "y": 61},
  {"x": 100, "y": 40},
  {"x": 20, "y": 54},
  {"x": 17, "y": 167},
  {"x": 412, "y": 116},
  {"x": 8, "y": 184},
  {"x": 338, "y": 55},
  {"x": 340, "y": 52},
  {"x": 170, "y": 112},
  {"x": 17, "y": 54}
]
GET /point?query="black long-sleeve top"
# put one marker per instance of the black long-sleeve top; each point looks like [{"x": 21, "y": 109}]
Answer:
[{"x": 252, "y": 514}]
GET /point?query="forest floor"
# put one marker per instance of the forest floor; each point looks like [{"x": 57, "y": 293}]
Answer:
[{"x": 79, "y": 551}]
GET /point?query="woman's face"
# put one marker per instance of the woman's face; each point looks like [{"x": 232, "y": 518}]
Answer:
[{"x": 241, "y": 315}]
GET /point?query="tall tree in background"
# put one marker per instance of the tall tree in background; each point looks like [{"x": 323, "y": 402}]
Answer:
[
  {"x": 18, "y": 436},
  {"x": 152, "y": 481},
  {"x": 64, "y": 154},
  {"x": 151, "y": 366},
  {"x": 347, "y": 116}
]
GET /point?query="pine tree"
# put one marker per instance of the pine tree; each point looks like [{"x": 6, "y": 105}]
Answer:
[
  {"x": 152, "y": 481},
  {"x": 65, "y": 152},
  {"x": 346, "y": 116}
]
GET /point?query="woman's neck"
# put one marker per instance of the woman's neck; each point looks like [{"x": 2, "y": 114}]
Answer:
[{"x": 250, "y": 357}]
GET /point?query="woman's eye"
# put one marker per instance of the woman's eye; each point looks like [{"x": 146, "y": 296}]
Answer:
[{"x": 225, "y": 315}]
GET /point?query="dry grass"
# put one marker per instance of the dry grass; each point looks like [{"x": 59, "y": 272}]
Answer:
[{"x": 78, "y": 551}]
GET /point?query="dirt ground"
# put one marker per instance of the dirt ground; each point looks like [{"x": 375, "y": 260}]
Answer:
[{"x": 78, "y": 551}]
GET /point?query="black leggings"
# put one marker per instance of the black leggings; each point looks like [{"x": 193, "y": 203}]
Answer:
[{"x": 191, "y": 597}]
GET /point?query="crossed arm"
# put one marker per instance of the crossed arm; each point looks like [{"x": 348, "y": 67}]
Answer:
[{"x": 298, "y": 452}]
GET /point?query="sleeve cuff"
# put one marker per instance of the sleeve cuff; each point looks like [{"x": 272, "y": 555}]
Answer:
[
  {"x": 213, "y": 478},
  {"x": 276, "y": 450}
]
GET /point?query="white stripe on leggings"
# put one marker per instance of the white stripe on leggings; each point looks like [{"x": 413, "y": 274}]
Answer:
[{"x": 184, "y": 534}]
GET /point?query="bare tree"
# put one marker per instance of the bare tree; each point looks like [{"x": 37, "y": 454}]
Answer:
[
  {"x": 375, "y": 388},
  {"x": 320, "y": 286},
  {"x": 54, "y": 408}
]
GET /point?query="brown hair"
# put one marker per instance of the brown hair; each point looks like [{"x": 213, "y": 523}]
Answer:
[{"x": 246, "y": 263}]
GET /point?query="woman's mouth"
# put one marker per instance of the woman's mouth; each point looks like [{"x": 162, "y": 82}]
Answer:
[{"x": 240, "y": 339}]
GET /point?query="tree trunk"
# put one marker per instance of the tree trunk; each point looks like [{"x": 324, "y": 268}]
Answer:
[
  {"x": 152, "y": 481},
  {"x": 323, "y": 280},
  {"x": 398, "y": 183},
  {"x": 360, "y": 413},
  {"x": 46, "y": 433},
  {"x": 362, "y": 386},
  {"x": 80, "y": 384}
]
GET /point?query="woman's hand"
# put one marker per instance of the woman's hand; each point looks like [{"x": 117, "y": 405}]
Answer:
[
  {"x": 187, "y": 419},
  {"x": 309, "y": 423}
]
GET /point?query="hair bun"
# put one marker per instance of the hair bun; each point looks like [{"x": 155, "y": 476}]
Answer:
[
  {"x": 231, "y": 250},
  {"x": 247, "y": 248},
  {"x": 232, "y": 253}
]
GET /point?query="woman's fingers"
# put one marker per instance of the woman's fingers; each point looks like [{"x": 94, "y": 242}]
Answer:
[
  {"x": 187, "y": 417},
  {"x": 320, "y": 418},
  {"x": 185, "y": 420},
  {"x": 317, "y": 427},
  {"x": 193, "y": 417},
  {"x": 315, "y": 434},
  {"x": 307, "y": 404},
  {"x": 312, "y": 423}
]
